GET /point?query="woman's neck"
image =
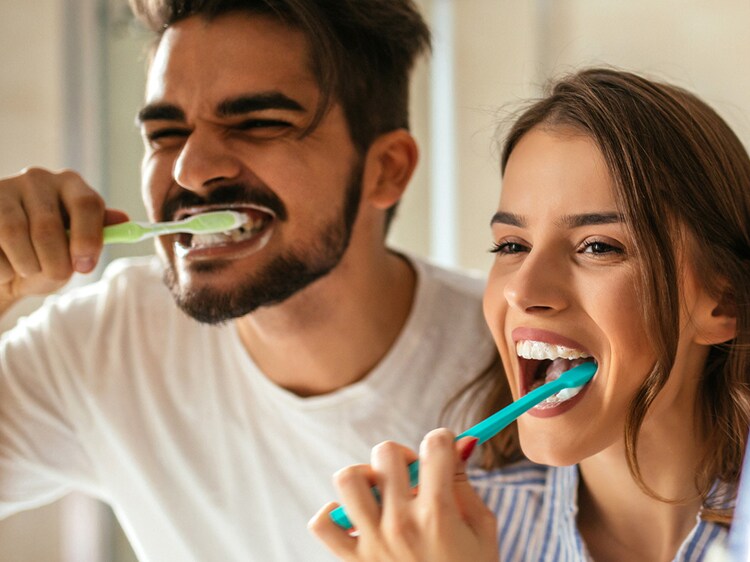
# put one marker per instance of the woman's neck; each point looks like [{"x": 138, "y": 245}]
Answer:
[{"x": 618, "y": 519}]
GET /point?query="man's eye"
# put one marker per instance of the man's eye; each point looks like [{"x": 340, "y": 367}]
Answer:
[
  {"x": 158, "y": 136},
  {"x": 508, "y": 248},
  {"x": 262, "y": 124}
]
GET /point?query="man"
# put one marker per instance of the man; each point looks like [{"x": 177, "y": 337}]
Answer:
[{"x": 216, "y": 439}]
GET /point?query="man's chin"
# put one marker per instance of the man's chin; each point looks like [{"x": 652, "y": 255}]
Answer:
[
  {"x": 206, "y": 300},
  {"x": 218, "y": 298}
]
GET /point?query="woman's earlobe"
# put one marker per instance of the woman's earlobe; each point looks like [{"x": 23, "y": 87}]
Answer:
[
  {"x": 721, "y": 326},
  {"x": 389, "y": 165}
]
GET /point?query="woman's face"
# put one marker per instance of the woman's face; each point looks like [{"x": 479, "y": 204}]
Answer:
[{"x": 563, "y": 290}]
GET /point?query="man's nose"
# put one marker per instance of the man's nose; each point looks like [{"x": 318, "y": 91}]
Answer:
[
  {"x": 203, "y": 160},
  {"x": 540, "y": 284}
]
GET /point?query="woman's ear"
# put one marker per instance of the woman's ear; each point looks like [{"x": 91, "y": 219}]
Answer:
[
  {"x": 389, "y": 165},
  {"x": 718, "y": 319}
]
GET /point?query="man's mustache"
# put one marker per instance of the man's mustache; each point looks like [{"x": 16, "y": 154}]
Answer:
[{"x": 231, "y": 194}]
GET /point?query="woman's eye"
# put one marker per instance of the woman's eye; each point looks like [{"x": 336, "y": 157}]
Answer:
[
  {"x": 600, "y": 247},
  {"x": 508, "y": 248}
]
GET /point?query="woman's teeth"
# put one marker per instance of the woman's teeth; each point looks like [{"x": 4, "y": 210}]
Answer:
[
  {"x": 561, "y": 359},
  {"x": 540, "y": 350}
]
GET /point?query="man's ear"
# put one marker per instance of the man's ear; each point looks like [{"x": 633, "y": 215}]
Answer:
[
  {"x": 718, "y": 319},
  {"x": 389, "y": 165}
]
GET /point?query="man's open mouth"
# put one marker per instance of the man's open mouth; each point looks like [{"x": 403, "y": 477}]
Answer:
[
  {"x": 542, "y": 362},
  {"x": 256, "y": 230}
]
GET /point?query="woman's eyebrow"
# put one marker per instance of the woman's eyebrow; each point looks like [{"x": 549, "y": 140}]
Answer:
[
  {"x": 588, "y": 219},
  {"x": 512, "y": 219},
  {"x": 568, "y": 221}
]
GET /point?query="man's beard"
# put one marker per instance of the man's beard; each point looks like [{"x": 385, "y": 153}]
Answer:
[{"x": 286, "y": 275}]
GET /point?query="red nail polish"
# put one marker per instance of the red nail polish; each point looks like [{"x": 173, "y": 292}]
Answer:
[{"x": 469, "y": 448}]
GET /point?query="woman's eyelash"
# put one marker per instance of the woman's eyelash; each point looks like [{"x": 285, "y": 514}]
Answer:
[{"x": 600, "y": 247}]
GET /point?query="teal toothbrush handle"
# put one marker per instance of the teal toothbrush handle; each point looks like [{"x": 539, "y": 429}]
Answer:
[{"x": 494, "y": 424}]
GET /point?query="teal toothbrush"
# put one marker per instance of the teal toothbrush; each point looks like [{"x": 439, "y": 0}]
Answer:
[
  {"x": 491, "y": 426},
  {"x": 205, "y": 223}
]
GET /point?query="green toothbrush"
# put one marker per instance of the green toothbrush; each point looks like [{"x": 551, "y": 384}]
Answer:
[
  {"x": 205, "y": 223},
  {"x": 486, "y": 429}
]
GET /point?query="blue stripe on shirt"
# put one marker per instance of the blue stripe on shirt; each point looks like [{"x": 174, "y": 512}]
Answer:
[{"x": 536, "y": 510}]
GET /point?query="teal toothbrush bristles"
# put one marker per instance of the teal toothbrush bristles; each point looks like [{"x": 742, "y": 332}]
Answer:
[
  {"x": 205, "y": 223},
  {"x": 491, "y": 426}
]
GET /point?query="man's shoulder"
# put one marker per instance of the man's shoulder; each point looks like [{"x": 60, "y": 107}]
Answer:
[
  {"x": 143, "y": 269},
  {"x": 467, "y": 283}
]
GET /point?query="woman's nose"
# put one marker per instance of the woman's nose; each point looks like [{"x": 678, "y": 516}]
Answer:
[
  {"x": 203, "y": 160},
  {"x": 539, "y": 284}
]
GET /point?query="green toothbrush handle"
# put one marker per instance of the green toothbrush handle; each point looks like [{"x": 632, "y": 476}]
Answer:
[
  {"x": 124, "y": 233},
  {"x": 491, "y": 426}
]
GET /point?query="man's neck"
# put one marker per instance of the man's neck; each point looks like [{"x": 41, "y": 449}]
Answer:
[{"x": 336, "y": 330}]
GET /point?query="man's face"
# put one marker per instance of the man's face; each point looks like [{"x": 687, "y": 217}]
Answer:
[{"x": 226, "y": 103}]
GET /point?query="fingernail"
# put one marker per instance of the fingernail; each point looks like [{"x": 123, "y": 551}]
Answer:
[
  {"x": 469, "y": 448},
  {"x": 83, "y": 265}
]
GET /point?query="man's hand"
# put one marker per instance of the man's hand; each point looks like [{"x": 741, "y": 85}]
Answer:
[{"x": 50, "y": 227}]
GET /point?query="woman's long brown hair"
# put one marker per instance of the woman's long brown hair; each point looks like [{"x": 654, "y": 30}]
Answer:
[{"x": 677, "y": 168}]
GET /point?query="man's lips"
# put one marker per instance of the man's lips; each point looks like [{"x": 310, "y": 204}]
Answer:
[
  {"x": 253, "y": 212},
  {"x": 239, "y": 242}
]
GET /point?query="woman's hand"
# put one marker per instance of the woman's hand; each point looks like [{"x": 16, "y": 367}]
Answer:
[{"x": 441, "y": 521}]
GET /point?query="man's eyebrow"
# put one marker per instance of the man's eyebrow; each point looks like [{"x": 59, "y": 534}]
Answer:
[
  {"x": 588, "y": 219},
  {"x": 511, "y": 219},
  {"x": 230, "y": 107},
  {"x": 240, "y": 105},
  {"x": 160, "y": 111}
]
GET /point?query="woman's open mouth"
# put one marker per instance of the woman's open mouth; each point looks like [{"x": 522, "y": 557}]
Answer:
[{"x": 542, "y": 362}]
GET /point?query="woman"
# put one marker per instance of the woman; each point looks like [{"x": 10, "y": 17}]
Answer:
[{"x": 622, "y": 237}]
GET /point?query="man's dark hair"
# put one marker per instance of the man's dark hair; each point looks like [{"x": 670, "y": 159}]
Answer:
[{"x": 362, "y": 51}]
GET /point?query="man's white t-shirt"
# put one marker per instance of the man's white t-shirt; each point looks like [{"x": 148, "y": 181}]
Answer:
[{"x": 111, "y": 390}]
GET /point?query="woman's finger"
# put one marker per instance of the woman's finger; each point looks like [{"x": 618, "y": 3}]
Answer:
[
  {"x": 437, "y": 465},
  {"x": 390, "y": 462},
  {"x": 354, "y": 484},
  {"x": 338, "y": 540},
  {"x": 471, "y": 507}
]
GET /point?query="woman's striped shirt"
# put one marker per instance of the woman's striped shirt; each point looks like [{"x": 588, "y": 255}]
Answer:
[{"x": 536, "y": 509}]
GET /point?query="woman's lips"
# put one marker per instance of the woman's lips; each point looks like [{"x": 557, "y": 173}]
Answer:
[
  {"x": 543, "y": 355},
  {"x": 546, "y": 336}
]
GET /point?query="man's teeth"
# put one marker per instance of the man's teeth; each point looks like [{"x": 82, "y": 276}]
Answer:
[{"x": 243, "y": 232}]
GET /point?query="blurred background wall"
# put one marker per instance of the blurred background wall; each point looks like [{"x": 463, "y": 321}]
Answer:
[{"x": 71, "y": 81}]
